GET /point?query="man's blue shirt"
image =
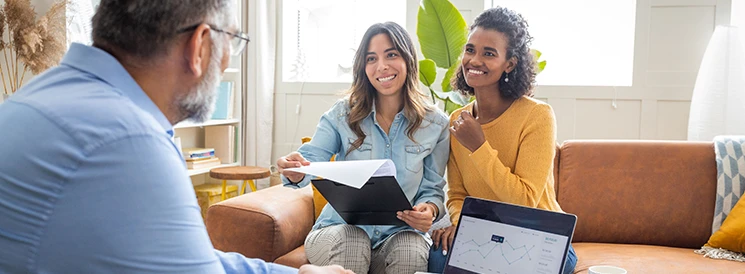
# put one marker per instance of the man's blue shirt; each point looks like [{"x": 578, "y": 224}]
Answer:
[{"x": 90, "y": 181}]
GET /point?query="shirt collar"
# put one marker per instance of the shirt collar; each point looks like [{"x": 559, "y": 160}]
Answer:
[
  {"x": 104, "y": 66},
  {"x": 374, "y": 110}
]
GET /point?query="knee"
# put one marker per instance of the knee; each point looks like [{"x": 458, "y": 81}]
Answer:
[
  {"x": 437, "y": 260},
  {"x": 435, "y": 253},
  {"x": 353, "y": 240},
  {"x": 411, "y": 247}
]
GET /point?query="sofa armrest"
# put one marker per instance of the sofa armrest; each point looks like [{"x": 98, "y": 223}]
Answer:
[{"x": 265, "y": 224}]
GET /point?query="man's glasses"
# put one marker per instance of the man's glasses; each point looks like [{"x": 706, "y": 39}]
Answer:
[{"x": 238, "y": 40}]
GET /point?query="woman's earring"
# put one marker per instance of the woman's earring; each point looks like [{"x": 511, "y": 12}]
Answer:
[{"x": 506, "y": 77}]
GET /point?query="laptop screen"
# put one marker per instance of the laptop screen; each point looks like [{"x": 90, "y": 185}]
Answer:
[{"x": 503, "y": 238}]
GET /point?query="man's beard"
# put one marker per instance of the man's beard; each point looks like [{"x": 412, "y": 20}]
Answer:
[{"x": 199, "y": 102}]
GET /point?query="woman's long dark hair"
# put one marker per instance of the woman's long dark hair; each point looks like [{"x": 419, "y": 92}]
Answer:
[{"x": 362, "y": 94}]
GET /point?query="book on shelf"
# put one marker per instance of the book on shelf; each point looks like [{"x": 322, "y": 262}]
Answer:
[
  {"x": 222, "y": 138},
  {"x": 203, "y": 163},
  {"x": 224, "y": 104},
  {"x": 197, "y": 153}
]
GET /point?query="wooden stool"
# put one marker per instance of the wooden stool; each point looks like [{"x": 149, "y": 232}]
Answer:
[{"x": 244, "y": 173}]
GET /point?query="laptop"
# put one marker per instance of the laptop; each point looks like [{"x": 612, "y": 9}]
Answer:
[{"x": 496, "y": 237}]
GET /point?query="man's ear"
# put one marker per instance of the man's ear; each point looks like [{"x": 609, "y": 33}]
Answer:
[
  {"x": 511, "y": 64},
  {"x": 197, "y": 50}
]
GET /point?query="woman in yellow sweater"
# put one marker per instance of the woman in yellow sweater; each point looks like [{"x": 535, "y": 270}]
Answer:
[{"x": 503, "y": 144}]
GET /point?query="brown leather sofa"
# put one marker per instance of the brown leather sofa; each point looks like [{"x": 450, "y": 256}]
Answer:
[{"x": 641, "y": 205}]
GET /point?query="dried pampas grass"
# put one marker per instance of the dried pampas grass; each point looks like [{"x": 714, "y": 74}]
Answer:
[{"x": 30, "y": 45}]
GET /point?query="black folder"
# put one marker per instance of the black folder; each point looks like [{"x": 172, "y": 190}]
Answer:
[{"x": 376, "y": 203}]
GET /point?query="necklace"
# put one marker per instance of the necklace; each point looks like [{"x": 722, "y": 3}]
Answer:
[{"x": 385, "y": 125}]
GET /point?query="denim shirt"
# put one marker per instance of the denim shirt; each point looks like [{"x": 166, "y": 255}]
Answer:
[{"x": 419, "y": 164}]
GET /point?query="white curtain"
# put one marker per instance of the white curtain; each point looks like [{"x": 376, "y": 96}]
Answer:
[
  {"x": 718, "y": 99},
  {"x": 258, "y": 105}
]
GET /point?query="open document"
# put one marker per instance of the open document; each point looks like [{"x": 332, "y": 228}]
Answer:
[
  {"x": 351, "y": 173},
  {"x": 362, "y": 192}
]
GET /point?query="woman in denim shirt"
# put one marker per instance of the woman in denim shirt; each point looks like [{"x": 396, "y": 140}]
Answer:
[{"x": 384, "y": 116}]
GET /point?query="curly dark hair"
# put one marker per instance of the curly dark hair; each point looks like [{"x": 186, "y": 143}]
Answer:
[{"x": 515, "y": 28}]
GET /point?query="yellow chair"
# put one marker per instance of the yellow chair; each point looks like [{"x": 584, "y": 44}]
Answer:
[{"x": 318, "y": 200}]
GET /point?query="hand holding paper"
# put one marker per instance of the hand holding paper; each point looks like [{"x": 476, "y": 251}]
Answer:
[
  {"x": 292, "y": 160},
  {"x": 351, "y": 173}
]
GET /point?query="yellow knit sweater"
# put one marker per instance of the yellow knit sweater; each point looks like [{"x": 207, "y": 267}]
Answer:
[{"x": 514, "y": 165}]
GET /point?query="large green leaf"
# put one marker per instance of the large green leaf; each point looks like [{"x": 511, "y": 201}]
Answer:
[
  {"x": 449, "y": 74},
  {"x": 536, "y": 54},
  {"x": 540, "y": 66},
  {"x": 442, "y": 32},
  {"x": 427, "y": 72},
  {"x": 450, "y": 106},
  {"x": 452, "y": 96}
]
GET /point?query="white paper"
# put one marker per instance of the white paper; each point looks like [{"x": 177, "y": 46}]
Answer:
[{"x": 351, "y": 173}]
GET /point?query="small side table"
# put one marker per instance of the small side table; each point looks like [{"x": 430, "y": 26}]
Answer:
[{"x": 244, "y": 173}]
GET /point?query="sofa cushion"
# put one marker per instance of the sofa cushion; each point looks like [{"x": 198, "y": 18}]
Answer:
[
  {"x": 639, "y": 192},
  {"x": 731, "y": 235},
  {"x": 650, "y": 259},
  {"x": 295, "y": 258}
]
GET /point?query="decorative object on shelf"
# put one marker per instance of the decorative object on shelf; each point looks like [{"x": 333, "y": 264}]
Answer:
[
  {"x": 225, "y": 101},
  {"x": 442, "y": 33},
  {"x": 222, "y": 138},
  {"x": 30, "y": 45},
  {"x": 718, "y": 99},
  {"x": 275, "y": 179}
]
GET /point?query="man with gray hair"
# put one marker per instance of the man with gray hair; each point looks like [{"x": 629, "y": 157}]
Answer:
[{"x": 90, "y": 180}]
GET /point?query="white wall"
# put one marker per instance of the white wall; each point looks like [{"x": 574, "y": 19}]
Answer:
[{"x": 671, "y": 37}]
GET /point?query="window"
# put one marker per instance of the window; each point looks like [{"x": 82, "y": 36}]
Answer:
[
  {"x": 320, "y": 37},
  {"x": 585, "y": 42}
]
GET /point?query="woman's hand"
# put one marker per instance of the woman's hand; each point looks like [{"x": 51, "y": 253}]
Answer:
[
  {"x": 468, "y": 131},
  {"x": 420, "y": 218},
  {"x": 444, "y": 237},
  {"x": 293, "y": 159},
  {"x": 314, "y": 269}
]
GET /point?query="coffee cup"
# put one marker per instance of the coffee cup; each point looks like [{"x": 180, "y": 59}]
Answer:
[{"x": 606, "y": 269}]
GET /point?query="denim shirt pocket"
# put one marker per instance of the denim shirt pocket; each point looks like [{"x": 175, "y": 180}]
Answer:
[
  {"x": 415, "y": 155},
  {"x": 363, "y": 152}
]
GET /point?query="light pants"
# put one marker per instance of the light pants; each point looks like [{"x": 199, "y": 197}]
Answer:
[{"x": 349, "y": 246}]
